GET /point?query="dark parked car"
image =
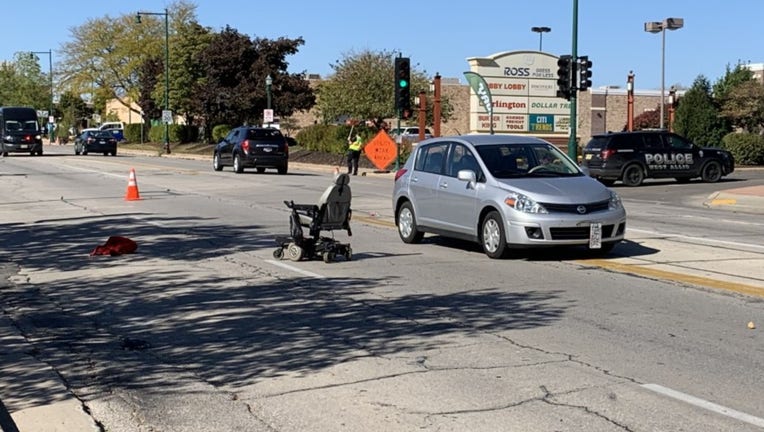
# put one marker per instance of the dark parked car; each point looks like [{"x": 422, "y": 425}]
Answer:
[
  {"x": 632, "y": 157},
  {"x": 19, "y": 131},
  {"x": 95, "y": 142},
  {"x": 253, "y": 147}
]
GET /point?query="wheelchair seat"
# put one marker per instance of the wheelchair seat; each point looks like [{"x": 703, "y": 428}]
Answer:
[
  {"x": 333, "y": 209},
  {"x": 332, "y": 212}
]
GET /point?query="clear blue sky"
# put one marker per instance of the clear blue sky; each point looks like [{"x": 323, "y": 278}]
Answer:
[{"x": 438, "y": 36}]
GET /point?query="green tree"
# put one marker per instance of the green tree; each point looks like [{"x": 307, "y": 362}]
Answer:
[
  {"x": 743, "y": 106},
  {"x": 233, "y": 90},
  {"x": 362, "y": 88},
  {"x": 23, "y": 83},
  {"x": 104, "y": 55},
  {"x": 697, "y": 115},
  {"x": 732, "y": 78}
]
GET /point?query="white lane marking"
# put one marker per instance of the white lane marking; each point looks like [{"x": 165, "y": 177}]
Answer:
[
  {"x": 692, "y": 400},
  {"x": 698, "y": 239},
  {"x": 295, "y": 269},
  {"x": 90, "y": 170}
]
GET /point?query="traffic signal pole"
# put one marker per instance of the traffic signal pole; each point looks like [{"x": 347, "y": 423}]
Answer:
[{"x": 572, "y": 144}]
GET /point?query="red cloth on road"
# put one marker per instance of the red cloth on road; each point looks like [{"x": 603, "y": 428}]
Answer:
[{"x": 116, "y": 245}]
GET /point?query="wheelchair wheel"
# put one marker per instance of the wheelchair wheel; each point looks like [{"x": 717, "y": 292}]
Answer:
[
  {"x": 328, "y": 257},
  {"x": 349, "y": 254},
  {"x": 294, "y": 252},
  {"x": 278, "y": 253}
]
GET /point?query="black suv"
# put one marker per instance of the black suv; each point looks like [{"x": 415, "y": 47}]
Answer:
[
  {"x": 253, "y": 147},
  {"x": 634, "y": 156}
]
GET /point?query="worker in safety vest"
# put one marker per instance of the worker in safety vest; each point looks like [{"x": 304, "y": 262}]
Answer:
[{"x": 354, "y": 154}]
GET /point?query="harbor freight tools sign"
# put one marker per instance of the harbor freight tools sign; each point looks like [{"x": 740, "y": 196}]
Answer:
[{"x": 523, "y": 90}]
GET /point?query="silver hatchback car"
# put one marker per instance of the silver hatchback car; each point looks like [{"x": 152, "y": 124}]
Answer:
[{"x": 504, "y": 191}]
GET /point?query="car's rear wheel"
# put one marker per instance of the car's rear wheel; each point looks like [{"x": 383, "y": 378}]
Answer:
[
  {"x": 712, "y": 172},
  {"x": 76, "y": 151},
  {"x": 238, "y": 167},
  {"x": 493, "y": 238},
  {"x": 260, "y": 170},
  {"x": 407, "y": 228},
  {"x": 114, "y": 153},
  {"x": 633, "y": 175},
  {"x": 216, "y": 164},
  {"x": 283, "y": 168}
]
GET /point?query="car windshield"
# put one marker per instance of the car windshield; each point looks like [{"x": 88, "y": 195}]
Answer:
[{"x": 526, "y": 160}]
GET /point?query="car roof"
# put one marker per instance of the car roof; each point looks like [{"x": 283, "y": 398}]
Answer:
[
  {"x": 642, "y": 131},
  {"x": 485, "y": 139}
]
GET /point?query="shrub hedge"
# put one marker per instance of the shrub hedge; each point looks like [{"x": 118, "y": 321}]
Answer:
[
  {"x": 746, "y": 148},
  {"x": 333, "y": 138}
]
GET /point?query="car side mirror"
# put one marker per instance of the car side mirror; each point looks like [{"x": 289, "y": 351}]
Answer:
[{"x": 468, "y": 176}]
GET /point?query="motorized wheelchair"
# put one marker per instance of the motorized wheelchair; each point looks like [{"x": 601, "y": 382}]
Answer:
[{"x": 331, "y": 213}]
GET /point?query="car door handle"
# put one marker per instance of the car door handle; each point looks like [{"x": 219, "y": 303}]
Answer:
[{"x": 444, "y": 185}]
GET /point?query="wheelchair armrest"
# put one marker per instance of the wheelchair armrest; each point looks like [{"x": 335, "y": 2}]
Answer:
[{"x": 305, "y": 207}]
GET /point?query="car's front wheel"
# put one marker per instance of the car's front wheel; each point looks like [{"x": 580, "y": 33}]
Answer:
[
  {"x": 493, "y": 238},
  {"x": 216, "y": 164},
  {"x": 407, "y": 228},
  {"x": 712, "y": 172}
]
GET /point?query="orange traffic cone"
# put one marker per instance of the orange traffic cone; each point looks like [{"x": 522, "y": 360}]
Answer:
[{"x": 132, "y": 187}]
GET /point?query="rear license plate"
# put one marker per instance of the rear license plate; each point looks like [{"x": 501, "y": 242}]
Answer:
[
  {"x": 595, "y": 235},
  {"x": 23, "y": 146}
]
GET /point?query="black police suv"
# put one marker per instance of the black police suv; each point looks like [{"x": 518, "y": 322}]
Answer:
[
  {"x": 632, "y": 157},
  {"x": 254, "y": 147}
]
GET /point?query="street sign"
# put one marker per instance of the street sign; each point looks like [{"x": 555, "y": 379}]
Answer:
[
  {"x": 267, "y": 116},
  {"x": 381, "y": 150},
  {"x": 167, "y": 116}
]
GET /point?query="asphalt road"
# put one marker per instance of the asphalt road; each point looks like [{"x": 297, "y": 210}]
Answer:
[{"x": 203, "y": 330}]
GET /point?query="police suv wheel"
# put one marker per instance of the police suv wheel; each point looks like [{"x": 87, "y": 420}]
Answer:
[
  {"x": 633, "y": 175},
  {"x": 712, "y": 172}
]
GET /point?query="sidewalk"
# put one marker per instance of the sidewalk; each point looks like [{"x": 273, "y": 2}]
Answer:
[{"x": 747, "y": 199}]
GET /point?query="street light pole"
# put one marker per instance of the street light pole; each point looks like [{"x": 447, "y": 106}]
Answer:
[
  {"x": 166, "y": 71},
  {"x": 268, "y": 85},
  {"x": 540, "y": 31},
  {"x": 661, "y": 27},
  {"x": 50, "y": 75}
]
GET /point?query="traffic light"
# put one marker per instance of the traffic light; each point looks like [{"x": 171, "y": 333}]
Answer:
[
  {"x": 584, "y": 73},
  {"x": 402, "y": 84},
  {"x": 565, "y": 76}
]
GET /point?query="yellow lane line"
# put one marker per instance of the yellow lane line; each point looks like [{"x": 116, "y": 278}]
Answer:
[{"x": 641, "y": 270}]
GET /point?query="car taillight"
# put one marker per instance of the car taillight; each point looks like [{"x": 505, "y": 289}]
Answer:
[
  {"x": 90, "y": 140},
  {"x": 245, "y": 145},
  {"x": 606, "y": 153},
  {"x": 400, "y": 173}
]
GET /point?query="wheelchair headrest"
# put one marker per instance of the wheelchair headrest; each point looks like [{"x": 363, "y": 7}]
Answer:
[{"x": 341, "y": 179}]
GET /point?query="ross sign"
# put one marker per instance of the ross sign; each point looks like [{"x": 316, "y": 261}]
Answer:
[
  {"x": 167, "y": 116},
  {"x": 267, "y": 116},
  {"x": 381, "y": 150}
]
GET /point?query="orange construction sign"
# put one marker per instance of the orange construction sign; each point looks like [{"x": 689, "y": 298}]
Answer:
[{"x": 381, "y": 150}]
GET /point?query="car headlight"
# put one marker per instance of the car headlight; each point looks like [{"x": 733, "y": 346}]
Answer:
[
  {"x": 524, "y": 204},
  {"x": 615, "y": 201}
]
